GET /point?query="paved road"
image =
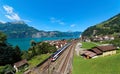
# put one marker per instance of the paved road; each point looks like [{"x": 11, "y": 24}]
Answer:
[{"x": 63, "y": 65}]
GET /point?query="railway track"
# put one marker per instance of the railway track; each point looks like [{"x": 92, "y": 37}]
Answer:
[
  {"x": 61, "y": 66},
  {"x": 66, "y": 67},
  {"x": 65, "y": 62}
]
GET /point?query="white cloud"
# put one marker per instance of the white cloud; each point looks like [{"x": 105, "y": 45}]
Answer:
[
  {"x": 54, "y": 20},
  {"x": 11, "y": 14},
  {"x": 8, "y": 9},
  {"x": 72, "y": 25},
  {"x": 2, "y": 21},
  {"x": 13, "y": 17}
]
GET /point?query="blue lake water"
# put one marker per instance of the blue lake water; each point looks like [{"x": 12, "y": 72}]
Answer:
[{"x": 24, "y": 43}]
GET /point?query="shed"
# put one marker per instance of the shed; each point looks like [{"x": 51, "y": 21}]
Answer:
[
  {"x": 20, "y": 64},
  {"x": 107, "y": 50},
  {"x": 88, "y": 54}
]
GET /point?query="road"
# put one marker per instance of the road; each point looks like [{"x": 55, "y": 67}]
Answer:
[{"x": 63, "y": 65}]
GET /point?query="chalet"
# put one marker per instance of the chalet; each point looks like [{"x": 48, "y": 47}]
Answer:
[
  {"x": 107, "y": 50},
  {"x": 21, "y": 64}
]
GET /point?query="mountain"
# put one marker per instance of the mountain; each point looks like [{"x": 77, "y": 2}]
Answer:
[
  {"x": 108, "y": 27},
  {"x": 22, "y": 30}
]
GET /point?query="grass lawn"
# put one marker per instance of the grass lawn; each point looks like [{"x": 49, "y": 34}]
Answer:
[
  {"x": 37, "y": 59},
  {"x": 100, "y": 65},
  {"x": 88, "y": 45}
]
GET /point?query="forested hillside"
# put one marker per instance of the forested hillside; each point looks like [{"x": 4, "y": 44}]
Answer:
[{"x": 108, "y": 27}]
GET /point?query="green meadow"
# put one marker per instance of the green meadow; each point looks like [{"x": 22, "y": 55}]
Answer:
[
  {"x": 100, "y": 65},
  {"x": 88, "y": 45},
  {"x": 37, "y": 59}
]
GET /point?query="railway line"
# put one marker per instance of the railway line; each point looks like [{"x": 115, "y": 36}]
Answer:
[{"x": 62, "y": 65}]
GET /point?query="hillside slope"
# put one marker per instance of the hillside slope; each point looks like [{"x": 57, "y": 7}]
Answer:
[{"x": 108, "y": 27}]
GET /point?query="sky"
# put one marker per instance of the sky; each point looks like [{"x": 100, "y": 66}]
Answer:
[{"x": 59, "y": 15}]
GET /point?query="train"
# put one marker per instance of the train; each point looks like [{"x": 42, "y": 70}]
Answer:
[{"x": 58, "y": 52}]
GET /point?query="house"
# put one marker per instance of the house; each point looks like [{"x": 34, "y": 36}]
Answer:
[
  {"x": 99, "y": 51},
  {"x": 21, "y": 64},
  {"x": 107, "y": 50},
  {"x": 88, "y": 54},
  {"x": 57, "y": 43},
  {"x": 103, "y": 38}
]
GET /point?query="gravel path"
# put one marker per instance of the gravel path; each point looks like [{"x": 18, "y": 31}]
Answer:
[{"x": 78, "y": 48}]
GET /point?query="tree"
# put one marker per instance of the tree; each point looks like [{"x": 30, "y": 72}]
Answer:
[
  {"x": 3, "y": 37},
  {"x": 18, "y": 53},
  {"x": 116, "y": 42},
  {"x": 8, "y": 55},
  {"x": 26, "y": 55},
  {"x": 33, "y": 43},
  {"x": 44, "y": 48}
]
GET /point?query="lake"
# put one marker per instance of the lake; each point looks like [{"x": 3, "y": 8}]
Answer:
[{"x": 24, "y": 43}]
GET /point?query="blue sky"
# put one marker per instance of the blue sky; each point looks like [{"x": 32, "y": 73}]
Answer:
[{"x": 60, "y": 15}]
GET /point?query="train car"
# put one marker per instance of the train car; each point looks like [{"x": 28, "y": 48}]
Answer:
[{"x": 58, "y": 53}]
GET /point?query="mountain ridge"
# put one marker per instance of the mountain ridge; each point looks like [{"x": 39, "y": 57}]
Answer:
[{"x": 22, "y": 30}]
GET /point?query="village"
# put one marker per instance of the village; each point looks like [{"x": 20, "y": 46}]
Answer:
[{"x": 98, "y": 50}]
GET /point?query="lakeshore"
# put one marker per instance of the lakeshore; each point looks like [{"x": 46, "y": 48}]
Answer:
[{"x": 24, "y": 43}]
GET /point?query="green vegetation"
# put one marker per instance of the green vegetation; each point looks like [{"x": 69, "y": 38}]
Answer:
[
  {"x": 8, "y": 54},
  {"x": 88, "y": 45},
  {"x": 6, "y": 68},
  {"x": 38, "y": 49},
  {"x": 37, "y": 59},
  {"x": 101, "y": 65},
  {"x": 116, "y": 42},
  {"x": 35, "y": 54},
  {"x": 109, "y": 27},
  {"x": 3, "y": 37},
  {"x": 34, "y": 61}
]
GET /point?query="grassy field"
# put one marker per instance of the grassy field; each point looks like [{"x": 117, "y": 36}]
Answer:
[
  {"x": 88, "y": 45},
  {"x": 100, "y": 65},
  {"x": 37, "y": 59}
]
